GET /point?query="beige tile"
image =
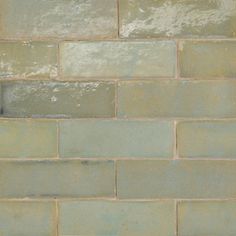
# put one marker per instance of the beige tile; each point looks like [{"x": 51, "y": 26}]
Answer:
[
  {"x": 208, "y": 59},
  {"x": 28, "y": 139},
  {"x": 118, "y": 59},
  {"x": 117, "y": 218},
  {"x": 177, "y": 98},
  {"x": 177, "y": 18},
  {"x": 176, "y": 179},
  {"x": 61, "y": 179},
  {"x": 27, "y": 218},
  {"x": 213, "y": 218},
  {"x": 59, "y": 99},
  {"x": 58, "y": 19},
  {"x": 28, "y": 59}
]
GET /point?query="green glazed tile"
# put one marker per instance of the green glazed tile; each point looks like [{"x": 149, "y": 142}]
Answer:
[
  {"x": 27, "y": 218},
  {"x": 117, "y": 218},
  {"x": 176, "y": 179},
  {"x": 106, "y": 138},
  {"x": 28, "y": 59},
  {"x": 208, "y": 59},
  {"x": 20, "y": 179},
  {"x": 214, "y": 139},
  {"x": 58, "y": 99},
  {"x": 33, "y": 139},
  {"x": 211, "y": 218},
  {"x": 179, "y": 18},
  {"x": 118, "y": 59},
  {"x": 58, "y": 18},
  {"x": 177, "y": 98}
]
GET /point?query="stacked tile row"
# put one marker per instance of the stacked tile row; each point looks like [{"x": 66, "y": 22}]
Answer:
[{"x": 117, "y": 117}]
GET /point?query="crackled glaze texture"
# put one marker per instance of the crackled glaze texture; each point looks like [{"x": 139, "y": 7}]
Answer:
[
  {"x": 118, "y": 59},
  {"x": 180, "y": 18},
  {"x": 58, "y": 18},
  {"x": 58, "y": 99},
  {"x": 28, "y": 60}
]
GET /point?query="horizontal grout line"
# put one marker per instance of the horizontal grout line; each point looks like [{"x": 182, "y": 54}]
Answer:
[{"x": 156, "y": 159}]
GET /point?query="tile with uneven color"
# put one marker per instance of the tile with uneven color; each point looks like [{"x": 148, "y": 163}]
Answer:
[
  {"x": 58, "y": 19},
  {"x": 28, "y": 59},
  {"x": 117, "y": 218},
  {"x": 118, "y": 59},
  {"x": 211, "y": 218},
  {"x": 177, "y": 18},
  {"x": 177, "y": 98},
  {"x": 58, "y": 178},
  {"x": 58, "y": 99},
  {"x": 107, "y": 138},
  {"x": 208, "y": 59},
  {"x": 27, "y": 218},
  {"x": 28, "y": 139},
  {"x": 214, "y": 139},
  {"x": 193, "y": 179}
]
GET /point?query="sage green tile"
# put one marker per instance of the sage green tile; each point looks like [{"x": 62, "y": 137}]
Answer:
[
  {"x": 177, "y": 98},
  {"x": 177, "y": 18},
  {"x": 208, "y": 59},
  {"x": 58, "y": 19},
  {"x": 33, "y": 139},
  {"x": 27, "y": 218},
  {"x": 211, "y": 218},
  {"x": 57, "y": 178},
  {"x": 214, "y": 139},
  {"x": 118, "y": 59},
  {"x": 1, "y": 111},
  {"x": 193, "y": 179},
  {"x": 59, "y": 99},
  {"x": 109, "y": 138},
  {"x": 28, "y": 59},
  {"x": 117, "y": 218}
]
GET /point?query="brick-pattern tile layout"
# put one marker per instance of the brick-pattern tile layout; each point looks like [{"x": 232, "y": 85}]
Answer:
[{"x": 117, "y": 117}]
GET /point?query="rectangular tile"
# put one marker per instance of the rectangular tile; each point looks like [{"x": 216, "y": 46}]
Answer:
[
  {"x": 58, "y": 19},
  {"x": 107, "y": 138},
  {"x": 214, "y": 139},
  {"x": 117, "y": 218},
  {"x": 208, "y": 59},
  {"x": 177, "y": 18},
  {"x": 28, "y": 138},
  {"x": 59, "y": 178},
  {"x": 58, "y": 99},
  {"x": 27, "y": 218},
  {"x": 177, "y": 98},
  {"x": 213, "y": 218},
  {"x": 118, "y": 59},
  {"x": 28, "y": 59},
  {"x": 176, "y": 179}
]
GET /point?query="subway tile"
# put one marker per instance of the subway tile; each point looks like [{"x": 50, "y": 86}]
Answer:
[
  {"x": 213, "y": 218},
  {"x": 58, "y": 19},
  {"x": 118, "y": 59},
  {"x": 214, "y": 139},
  {"x": 119, "y": 138},
  {"x": 117, "y": 218},
  {"x": 194, "y": 179},
  {"x": 28, "y": 59},
  {"x": 27, "y": 218},
  {"x": 175, "y": 18},
  {"x": 21, "y": 179},
  {"x": 23, "y": 139},
  {"x": 58, "y": 99},
  {"x": 208, "y": 59},
  {"x": 177, "y": 98}
]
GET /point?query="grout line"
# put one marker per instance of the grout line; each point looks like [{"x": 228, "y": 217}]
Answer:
[
  {"x": 176, "y": 218},
  {"x": 115, "y": 187},
  {"x": 118, "y": 18},
  {"x": 57, "y": 217}
]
